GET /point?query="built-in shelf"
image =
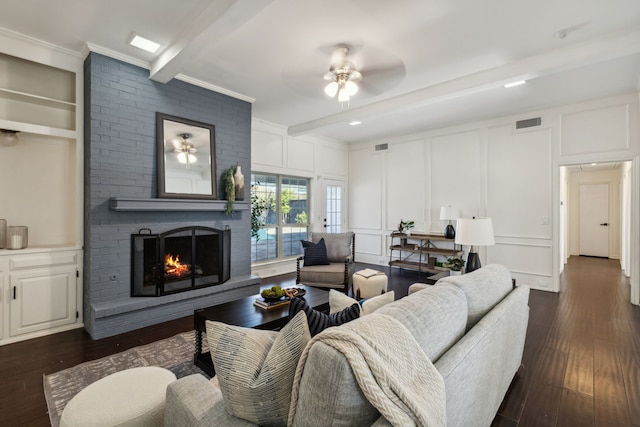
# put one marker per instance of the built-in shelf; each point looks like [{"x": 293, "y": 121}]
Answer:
[{"x": 171, "y": 205}]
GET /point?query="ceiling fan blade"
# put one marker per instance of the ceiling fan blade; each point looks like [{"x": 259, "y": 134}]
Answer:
[{"x": 376, "y": 81}]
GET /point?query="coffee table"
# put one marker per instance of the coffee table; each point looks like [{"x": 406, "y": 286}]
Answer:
[{"x": 242, "y": 312}]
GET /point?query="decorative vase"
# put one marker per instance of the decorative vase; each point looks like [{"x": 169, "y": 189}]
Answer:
[
  {"x": 455, "y": 272},
  {"x": 3, "y": 233},
  {"x": 238, "y": 179}
]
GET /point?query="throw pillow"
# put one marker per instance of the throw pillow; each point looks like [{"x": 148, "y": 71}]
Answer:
[
  {"x": 319, "y": 321},
  {"x": 315, "y": 253},
  {"x": 255, "y": 368},
  {"x": 339, "y": 301}
]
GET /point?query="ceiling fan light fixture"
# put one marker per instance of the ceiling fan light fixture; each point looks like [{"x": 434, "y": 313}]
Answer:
[
  {"x": 331, "y": 89},
  {"x": 350, "y": 87},
  {"x": 343, "y": 95},
  {"x": 342, "y": 76},
  {"x": 182, "y": 158},
  {"x": 185, "y": 151}
]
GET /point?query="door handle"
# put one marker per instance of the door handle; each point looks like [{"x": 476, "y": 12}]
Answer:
[{"x": 605, "y": 224}]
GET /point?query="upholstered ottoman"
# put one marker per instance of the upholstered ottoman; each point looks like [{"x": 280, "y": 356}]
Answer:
[
  {"x": 133, "y": 397},
  {"x": 369, "y": 283}
]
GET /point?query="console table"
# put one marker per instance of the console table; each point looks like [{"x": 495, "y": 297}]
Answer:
[
  {"x": 243, "y": 312},
  {"x": 415, "y": 256}
]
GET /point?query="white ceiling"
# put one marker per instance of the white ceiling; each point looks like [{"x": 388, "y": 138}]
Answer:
[{"x": 425, "y": 63}]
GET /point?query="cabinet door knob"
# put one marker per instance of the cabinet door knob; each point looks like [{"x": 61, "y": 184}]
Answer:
[{"x": 14, "y": 292}]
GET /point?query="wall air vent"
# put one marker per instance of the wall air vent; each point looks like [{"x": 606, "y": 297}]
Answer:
[
  {"x": 382, "y": 147},
  {"x": 527, "y": 123}
]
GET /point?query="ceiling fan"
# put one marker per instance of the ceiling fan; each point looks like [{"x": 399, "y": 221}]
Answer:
[
  {"x": 373, "y": 72},
  {"x": 342, "y": 76},
  {"x": 186, "y": 151}
]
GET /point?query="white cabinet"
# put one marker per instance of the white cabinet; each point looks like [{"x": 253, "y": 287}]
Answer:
[
  {"x": 41, "y": 187},
  {"x": 41, "y": 292},
  {"x": 42, "y": 299}
]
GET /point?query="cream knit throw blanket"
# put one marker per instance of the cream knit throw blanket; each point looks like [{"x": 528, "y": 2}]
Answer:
[{"x": 391, "y": 369}]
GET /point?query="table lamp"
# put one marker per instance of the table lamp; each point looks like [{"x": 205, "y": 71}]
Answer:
[
  {"x": 474, "y": 232},
  {"x": 450, "y": 214}
]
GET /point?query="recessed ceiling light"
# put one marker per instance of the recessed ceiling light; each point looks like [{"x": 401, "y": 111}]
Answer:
[
  {"x": 514, "y": 84},
  {"x": 594, "y": 164},
  {"x": 355, "y": 123},
  {"x": 143, "y": 43}
]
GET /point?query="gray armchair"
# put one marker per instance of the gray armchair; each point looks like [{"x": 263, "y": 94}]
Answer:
[{"x": 341, "y": 249}]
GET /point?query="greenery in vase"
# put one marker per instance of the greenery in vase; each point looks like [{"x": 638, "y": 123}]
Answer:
[
  {"x": 230, "y": 189},
  {"x": 405, "y": 226},
  {"x": 454, "y": 264}
]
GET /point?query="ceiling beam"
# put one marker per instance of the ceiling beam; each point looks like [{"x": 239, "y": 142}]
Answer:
[
  {"x": 615, "y": 45},
  {"x": 218, "y": 20}
]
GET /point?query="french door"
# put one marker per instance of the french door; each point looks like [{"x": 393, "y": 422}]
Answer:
[{"x": 333, "y": 206}]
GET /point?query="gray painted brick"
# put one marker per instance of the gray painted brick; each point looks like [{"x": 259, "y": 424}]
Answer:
[{"x": 120, "y": 143}]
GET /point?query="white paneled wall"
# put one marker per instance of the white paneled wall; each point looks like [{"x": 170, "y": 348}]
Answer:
[
  {"x": 405, "y": 189},
  {"x": 491, "y": 169},
  {"x": 456, "y": 175}
]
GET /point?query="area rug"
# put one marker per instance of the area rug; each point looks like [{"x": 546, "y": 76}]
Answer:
[{"x": 175, "y": 354}]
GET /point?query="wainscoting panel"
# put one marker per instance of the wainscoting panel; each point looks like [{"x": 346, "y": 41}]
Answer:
[
  {"x": 519, "y": 182},
  {"x": 365, "y": 184},
  {"x": 587, "y": 131},
  {"x": 406, "y": 185},
  {"x": 455, "y": 168},
  {"x": 266, "y": 149},
  {"x": 530, "y": 261},
  {"x": 335, "y": 160},
  {"x": 300, "y": 155}
]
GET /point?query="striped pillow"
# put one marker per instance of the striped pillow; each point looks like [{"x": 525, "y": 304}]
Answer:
[
  {"x": 255, "y": 368},
  {"x": 319, "y": 321},
  {"x": 315, "y": 253}
]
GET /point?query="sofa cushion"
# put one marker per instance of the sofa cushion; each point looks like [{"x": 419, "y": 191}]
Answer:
[
  {"x": 436, "y": 317},
  {"x": 319, "y": 321},
  {"x": 338, "y": 244},
  {"x": 315, "y": 253},
  {"x": 255, "y": 368},
  {"x": 484, "y": 288},
  {"x": 339, "y": 301}
]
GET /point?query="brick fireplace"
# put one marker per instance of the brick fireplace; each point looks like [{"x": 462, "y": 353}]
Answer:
[{"x": 121, "y": 103}]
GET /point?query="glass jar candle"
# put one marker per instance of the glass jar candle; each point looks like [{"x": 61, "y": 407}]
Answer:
[{"x": 17, "y": 237}]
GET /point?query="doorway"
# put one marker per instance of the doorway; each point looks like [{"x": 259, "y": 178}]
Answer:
[
  {"x": 603, "y": 191},
  {"x": 593, "y": 217},
  {"x": 333, "y": 203}
]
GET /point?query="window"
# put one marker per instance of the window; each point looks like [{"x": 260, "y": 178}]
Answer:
[{"x": 284, "y": 221}]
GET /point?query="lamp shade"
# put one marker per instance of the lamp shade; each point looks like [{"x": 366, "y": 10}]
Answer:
[
  {"x": 449, "y": 213},
  {"x": 475, "y": 232}
]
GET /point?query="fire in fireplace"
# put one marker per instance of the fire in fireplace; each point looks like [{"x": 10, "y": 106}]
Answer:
[{"x": 179, "y": 260}]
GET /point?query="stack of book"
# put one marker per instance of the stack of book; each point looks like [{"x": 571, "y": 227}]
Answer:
[{"x": 269, "y": 305}]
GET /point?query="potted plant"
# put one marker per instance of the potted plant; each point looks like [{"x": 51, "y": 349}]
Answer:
[
  {"x": 455, "y": 265},
  {"x": 230, "y": 189},
  {"x": 403, "y": 229}
]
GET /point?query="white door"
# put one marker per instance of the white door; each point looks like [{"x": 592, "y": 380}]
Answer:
[
  {"x": 333, "y": 211},
  {"x": 594, "y": 220}
]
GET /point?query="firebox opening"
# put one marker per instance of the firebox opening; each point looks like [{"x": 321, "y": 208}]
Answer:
[{"x": 179, "y": 260}]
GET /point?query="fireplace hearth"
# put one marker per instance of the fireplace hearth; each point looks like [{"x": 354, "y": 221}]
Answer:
[{"x": 179, "y": 260}]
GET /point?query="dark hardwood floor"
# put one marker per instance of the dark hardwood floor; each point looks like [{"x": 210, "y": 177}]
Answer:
[{"x": 581, "y": 363}]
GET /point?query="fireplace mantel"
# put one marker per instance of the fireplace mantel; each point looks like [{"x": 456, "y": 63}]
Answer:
[{"x": 172, "y": 205}]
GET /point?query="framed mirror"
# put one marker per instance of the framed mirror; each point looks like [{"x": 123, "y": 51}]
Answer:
[{"x": 186, "y": 158}]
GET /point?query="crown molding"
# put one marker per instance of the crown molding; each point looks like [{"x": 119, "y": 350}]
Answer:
[
  {"x": 214, "y": 88},
  {"x": 90, "y": 47}
]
